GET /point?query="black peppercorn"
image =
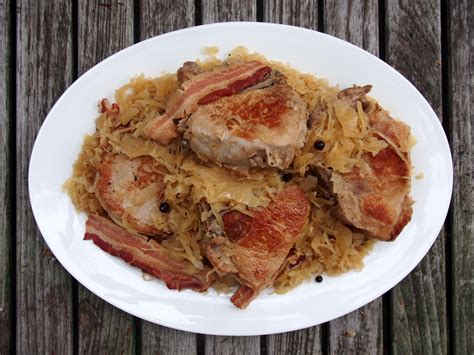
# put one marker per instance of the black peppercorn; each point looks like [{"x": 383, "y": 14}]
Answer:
[
  {"x": 319, "y": 279},
  {"x": 164, "y": 207},
  {"x": 286, "y": 177},
  {"x": 319, "y": 145}
]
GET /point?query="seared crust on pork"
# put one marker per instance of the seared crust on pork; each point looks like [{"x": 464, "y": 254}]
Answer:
[
  {"x": 201, "y": 87},
  {"x": 129, "y": 190},
  {"x": 255, "y": 247},
  {"x": 374, "y": 196},
  {"x": 264, "y": 127}
]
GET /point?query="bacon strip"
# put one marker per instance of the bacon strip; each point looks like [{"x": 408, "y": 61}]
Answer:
[
  {"x": 146, "y": 254},
  {"x": 202, "y": 89},
  {"x": 237, "y": 86}
]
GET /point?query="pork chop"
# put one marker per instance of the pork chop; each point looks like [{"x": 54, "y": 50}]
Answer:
[
  {"x": 374, "y": 197},
  {"x": 130, "y": 190},
  {"x": 264, "y": 127},
  {"x": 255, "y": 247},
  {"x": 199, "y": 88}
]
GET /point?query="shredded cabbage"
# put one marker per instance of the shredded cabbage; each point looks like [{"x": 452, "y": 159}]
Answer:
[{"x": 198, "y": 191}]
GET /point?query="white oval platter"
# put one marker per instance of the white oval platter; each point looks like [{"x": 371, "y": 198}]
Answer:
[{"x": 60, "y": 138}]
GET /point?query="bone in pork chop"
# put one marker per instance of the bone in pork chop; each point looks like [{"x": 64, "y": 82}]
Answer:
[
  {"x": 129, "y": 190},
  {"x": 374, "y": 197},
  {"x": 147, "y": 254},
  {"x": 264, "y": 127},
  {"x": 255, "y": 247},
  {"x": 202, "y": 88}
]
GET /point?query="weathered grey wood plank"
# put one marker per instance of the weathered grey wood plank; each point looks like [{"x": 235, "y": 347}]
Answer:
[
  {"x": 104, "y": 28},
  {"x": 157, "y": 17},
  {"x": 44, "y": 70},
  {"x": 162, "y": 340},
  {"x": 419, "y": 321},
  {"x": 292, "y": 12},
  {"x": 6, "y": 224},
  {"x": 356, "y": 22},
  {"x": 300, "y": 342},
  {"x": 461, "y": 106},
  {"x": 304, "y": 14},
  {"x": 228, "y": 10},
  {"x": 231, "y": 345},
  {"x": 221, "y": 11},
  {"x": 360, "y": 331}
]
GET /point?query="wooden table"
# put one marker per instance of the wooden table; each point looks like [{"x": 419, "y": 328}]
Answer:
[{"x": 46, "y": 45}]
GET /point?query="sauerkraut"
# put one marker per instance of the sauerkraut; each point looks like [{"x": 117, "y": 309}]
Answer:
[{"x": 326, "y": 245}]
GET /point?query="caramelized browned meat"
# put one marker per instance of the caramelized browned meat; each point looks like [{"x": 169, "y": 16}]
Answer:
[
  {"x": 201, "y": 89},
  {"x": 354, "y": 94},
  {"x": 264, "y": 127},
  {"x": 256, "y": 247},
  {"x": 129, "y": 190},
  {"x": 374, "y": 197},
  {"x": 147, "y": 255},
  {"x": 188, "y": 71}
]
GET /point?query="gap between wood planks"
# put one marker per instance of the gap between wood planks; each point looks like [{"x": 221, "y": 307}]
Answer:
[
  {"x": 12, "y": 166},
  {"x": 446, "y": 105}
]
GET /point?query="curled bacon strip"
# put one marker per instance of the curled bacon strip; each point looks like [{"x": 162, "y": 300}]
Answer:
[
  {"x": 237, "y": 86},
  {"x": 201, "y": 89},
  {"x": 146, "y": 254}
]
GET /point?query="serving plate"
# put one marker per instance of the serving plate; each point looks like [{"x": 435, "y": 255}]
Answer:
[{"x": 60, "y": 138}]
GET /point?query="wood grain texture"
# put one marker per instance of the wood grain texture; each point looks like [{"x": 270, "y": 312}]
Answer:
[
  {"x": 304, "y": 14},
  {"x": 157, "y": 17},
  {"x": 224, "y": 345},
  {"x": 102, "y": 31},
  {"x": 300, "y": 342},
  {"x": 356, "y": 22},
  {"x": 6, "y": 224},
  {"x": 228, "y": 10},
  {"x": 413, "y": 45},
  {"x": 162, "y": 340},
  {"x": 292, "y": 12},
  {"x": 461, "y": 107},
  {"x": 44, "y": 70},
  {"x": 419, "y": 320},
  {"x": 361, "y": 331}
]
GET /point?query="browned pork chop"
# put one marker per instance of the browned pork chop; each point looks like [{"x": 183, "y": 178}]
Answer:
[
  {"x": 130, "y": 190},
  {"x": 199, "y": 88},
  {"x": 262, "y": 127},
  {"x": 255, "y": 247},
  {"x": 374, "y": 197}
]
